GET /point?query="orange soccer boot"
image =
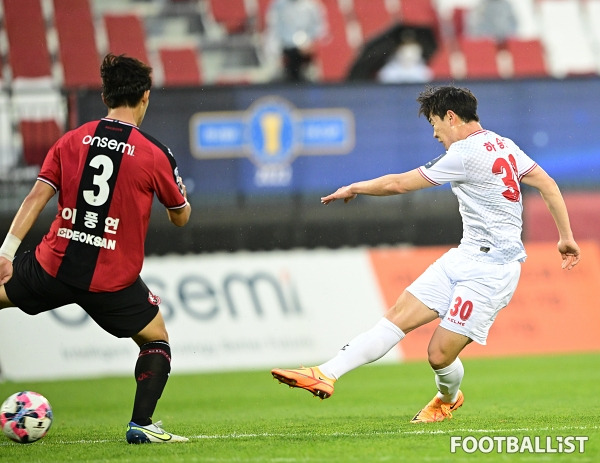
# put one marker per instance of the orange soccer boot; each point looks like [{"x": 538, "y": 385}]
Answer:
[
  {"x": 311, "y": 379},
  {"x": 436, "y": 410}
]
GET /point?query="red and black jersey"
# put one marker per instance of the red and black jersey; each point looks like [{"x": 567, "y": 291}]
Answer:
[{"x": 106, "y": 173}]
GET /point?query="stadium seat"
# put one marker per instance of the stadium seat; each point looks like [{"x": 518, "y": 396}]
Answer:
[
  {"x": 38, "y": 137},
  {"x": 334, "y": 54},
  {"x": 527, "y": 58},
  {"x": 126, "y": 34},
  {"x": 528, "y": 26},
  {"x": 180, "y": 66},
  {"x": 231, "y": 14},
  {"x": 459, "y": 20},
  {"x": 592, "y": 13},
  {"x": 373, "y": 17},
  {"x": 77, "y": 43},
  {"x": 440, "y": 64},
  {"x": 27, "y": 46},
  {"x": 262, "y": 8},
  {"x": 334, "y": 58},
  {"x": 335, "y": 18},
  {"x": 8, "y": 157},
  {"x": 480, "y": 57},
  {"x": 568, "y": 47},
  {"x": 419, "y": 13}
]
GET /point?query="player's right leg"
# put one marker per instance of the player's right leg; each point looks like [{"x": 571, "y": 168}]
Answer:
[
  {"x": 407, "y": 314},
  {"x": 31, "y": 289}
]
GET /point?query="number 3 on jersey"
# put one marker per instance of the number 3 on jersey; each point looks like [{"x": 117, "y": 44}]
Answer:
[
  {"x": 105, "y": 165},
  {"x": 509, "y": 170}
]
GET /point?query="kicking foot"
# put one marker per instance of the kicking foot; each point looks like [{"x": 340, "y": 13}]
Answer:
[{"x": 310, "y": 379}]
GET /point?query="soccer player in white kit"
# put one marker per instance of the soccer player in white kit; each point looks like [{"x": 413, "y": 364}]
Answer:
[{"x": 468, "y": 285}]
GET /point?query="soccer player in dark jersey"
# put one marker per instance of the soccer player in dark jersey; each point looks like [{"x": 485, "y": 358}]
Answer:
[{"x": 106, "y": 174}]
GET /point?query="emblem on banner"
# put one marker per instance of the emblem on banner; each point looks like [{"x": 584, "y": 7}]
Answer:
[{"x": 272, "y": 133}]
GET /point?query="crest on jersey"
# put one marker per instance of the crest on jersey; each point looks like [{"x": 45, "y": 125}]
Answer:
[
  {"x": 153, "y": 298},
  {"x": 432, "y": 162}
]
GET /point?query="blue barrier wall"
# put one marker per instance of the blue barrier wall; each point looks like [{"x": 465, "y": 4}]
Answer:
[
  {"x": 256, "y": 159},
  {"x": 555, "y": 122}
]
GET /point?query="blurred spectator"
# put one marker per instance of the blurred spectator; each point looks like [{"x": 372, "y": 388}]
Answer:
[
  {"x": 296, "y": 26},
  {"x": 406, "y": 65},
  {"x": 493, "y": 19}
]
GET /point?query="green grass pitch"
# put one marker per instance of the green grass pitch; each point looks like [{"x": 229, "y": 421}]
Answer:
[{"x": 249, "y": 417}]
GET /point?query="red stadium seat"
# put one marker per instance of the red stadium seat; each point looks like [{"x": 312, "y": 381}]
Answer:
[
  {"x": 27, "y": 45},
  {"x": 231, "y": 14},
  {"x": 335, "y": 58},
  {"x": 334, "y": 54},
  {"x": 527, "y": 58},
  {"x": 38, "y": 137},
  {"x": 335, "y": 18},
  {"x": 480, "y": 58},
  {"x": 418, "y": 13},
  {"x": 373, "y": 17},
  {"x": 459, "y": 21},
  {"x": 126, "y": 35},
  {"x": 77, "y": 43},
  {"x": 180, "y": 66},
  {"x": 440, "y": 64}
]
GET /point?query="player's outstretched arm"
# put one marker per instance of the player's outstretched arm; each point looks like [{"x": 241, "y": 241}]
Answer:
[
  {"x": 387, "y": 185},
  {"x": 30, "y": 209},
  {"x": 568, "y": 248}
]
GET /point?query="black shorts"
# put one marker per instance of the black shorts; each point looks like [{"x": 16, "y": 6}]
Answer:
[{"x": 122, "y": 313}]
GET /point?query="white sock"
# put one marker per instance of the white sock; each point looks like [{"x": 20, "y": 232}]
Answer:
[
  {"x": 364, "y": 348},
  {"x": 448, "y": 380}
]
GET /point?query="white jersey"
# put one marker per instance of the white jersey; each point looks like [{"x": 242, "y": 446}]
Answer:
[{"x": 484, "y": 171}]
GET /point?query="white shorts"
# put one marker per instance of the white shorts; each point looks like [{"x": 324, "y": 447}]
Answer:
[{"x": 467, "y": 294}]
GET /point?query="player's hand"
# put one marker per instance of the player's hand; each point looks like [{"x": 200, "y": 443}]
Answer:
[
  {"x": 6, "y": 270},
  {"x": 342, "y": 193},
  {"x": 569, "y": 250}
]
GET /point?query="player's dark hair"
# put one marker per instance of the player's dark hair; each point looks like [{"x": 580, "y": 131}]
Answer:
[
  {"x": 124, "y": 80},
  {"x": 436, "y": 101}
]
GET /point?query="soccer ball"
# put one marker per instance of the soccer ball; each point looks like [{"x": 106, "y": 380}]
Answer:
[{"x": 25, "y": 417}]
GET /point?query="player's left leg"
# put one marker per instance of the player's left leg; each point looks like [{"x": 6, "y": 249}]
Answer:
[
  {"x": 151, "y": 370},
  {"x": 443, "y": 351},
  {"x": 133, "y": 312},
  {"x": 151, "y": 374}
]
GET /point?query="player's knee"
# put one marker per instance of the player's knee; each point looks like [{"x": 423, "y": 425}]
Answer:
[
  {"x": 438, "y": 359},
  {"x": 151, "y": 334}
]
